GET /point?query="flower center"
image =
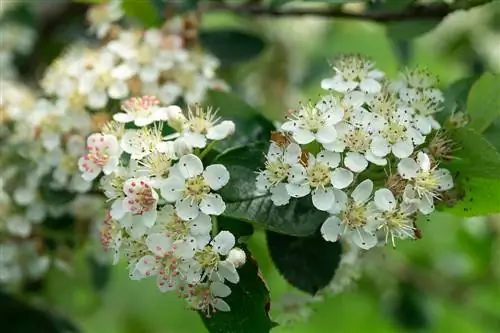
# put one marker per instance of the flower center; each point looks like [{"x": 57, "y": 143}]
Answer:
[
  {"x": 207, "y": 258},
  {"x": 278, "y": 171},
  {"x": 177, "y": 229},
  {"x": 318, "y": 175},
  {"x": 312, "y": 119},
  {"x": 157, "y": 164},
  {"x": 394, "y": 132},
  {"x": 384, "y": 105},
  {"x": 196, "y": 188},
  {"x": 354, "y": 216},
  {"x": 426, "y": 182},
  {"x": 200, "y": 120},
  {"x": 357, "y": 141}
]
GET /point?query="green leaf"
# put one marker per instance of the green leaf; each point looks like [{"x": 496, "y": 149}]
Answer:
[
  {"x": 232, "y": 46},
  {"x": 251, "y": 126},
  {"x": 479, "y": 197},
  {"x": 298, "y": 218},
  {"x": 145, "y": 11},
  {"x": 483, "y": 103},
  {"x": 236, "y": 227},
  {"x": 410, "y": 308},
  {"x": 492, "y": 134},
  {"x": 474, "y": 155},
  {"x": 406, "y": 30},
  {"x": 100, "y": 272},
  {"x": 20, "y": 317},
  {"x": 455, "y": 97},
  {"x": 308, "y": 263},
  {"x": 249, "y": 302}
]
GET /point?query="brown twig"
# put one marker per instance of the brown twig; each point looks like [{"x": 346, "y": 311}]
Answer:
[{"x": 415, "y": 12}]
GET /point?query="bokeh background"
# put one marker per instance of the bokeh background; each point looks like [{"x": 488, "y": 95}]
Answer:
[{"x": 449, "y": 281}]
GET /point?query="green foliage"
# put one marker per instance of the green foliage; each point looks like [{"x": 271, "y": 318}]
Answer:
[
  {"x": 405, "y": 30},
  {"x": 236, "y": 227},
  {"x": 474, "y": 156},
  {"x": 298, "y": 218},
  {"x": 483, "y": 103},
  {"x": 19, "y": 317},
  {"x": 409, "y": 309},
  {"x": 100, "y": 273},
  {"x": 145, "y": 11},
  {"x": 481, "y": 197},
  {"x": 232, "y": 46},
  {"x": 308, "y": 263},
  {"x": 249, "y": 302},
  {"x": 455, "y": 97}
]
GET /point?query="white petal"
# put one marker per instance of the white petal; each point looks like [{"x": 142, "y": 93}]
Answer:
[
  {"x": 355, "y": 162},
  {"x": 363, "y": 239},
  {"x": 384, "y": 200},
  {"x": 216, "y": 176},
  {"x": 341, "y": 178},
  {"x": 221, "y": 131},
  {"x": 297, "y": 174},
  {"x": 223, "y": 242},
  {"x": 149, "y": 218},
  {"x": 323, "y": 199},
  {"x": 340, "y": 202},
  {"x": 228, "y": 271},
  {"x": 117, "y": 211},
  {"x": 330, "y": 229},
  {"x": 408, "y": 168},
  {"x": 303, "y": 136},
  {"x": 279, "y": 195},
  {"x": 221, "y": 305},
  {"x": 326, "y": 134},
  {"x": 159, "y": 244},
  {"x": 172, "y": 188},
  {"x": 374, "y": 159},
  {"x": 190, "y": 165},
  {"x": 426, "y": 205},
  {"x": 445, "y": 180},
  {"x": 187, "y": 209},
  {"x": 219, "y": 289},
  {"x": 380, "y": 147},
  {"x": 118, "y": 90},
  {"x": 212, "y": 204},
  {"x": 194, "y": 139},
  {"x": 97, "y": 99},
  {"x": 424, "y": 161},
  {"x": 402, "y": 149},
  {"x": 331, "y": 159},
  {"x": 327, "y": 84},
  {"x": 337, "y": 146},
  {"x": 298, "y": 190},
  {"x": 362, "y": 192},
  {"x": 201, "y": 225},
  {"x": 292, "y": 153},
  {"x": 146, "y": 265},
  {"x": 370, "y": 86}
]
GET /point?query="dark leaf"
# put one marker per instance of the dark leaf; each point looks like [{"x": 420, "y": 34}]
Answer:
[
  {"x": 406, "y": 30},
  {"x": 409, "y": 309},
  {"x": 237, "y": 227},
  {"x": 483, "y": 102},
  {"x": 308, "y": 263},
  {"x": 455, "y": 97},
  {"x": 232, "y": 46},
  {"x": 298, "y": 218},
  {"x": 20, "y": 317},
  {"x": 249, "y": 302},
  {"x": 100, "y": 273},
  {"x": 145, "y": 11}
]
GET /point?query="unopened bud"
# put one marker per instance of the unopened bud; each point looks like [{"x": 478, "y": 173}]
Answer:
[{"x": 237, "y": 257}]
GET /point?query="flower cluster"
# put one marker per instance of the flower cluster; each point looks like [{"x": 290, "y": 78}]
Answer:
[
  {"x": 17, "y": 39},
  {"x": 340, "y": 149},
  {"x": 130, "y": 62},
  {"x": 162, "y": 199}
]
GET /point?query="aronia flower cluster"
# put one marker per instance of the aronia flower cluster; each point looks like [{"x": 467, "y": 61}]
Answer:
[
  {"x": 361, "y": 153},
  {"x": 163, "y": 200}
]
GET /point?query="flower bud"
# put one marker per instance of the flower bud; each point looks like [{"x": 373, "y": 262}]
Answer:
[{"x": 237, "y": 257}]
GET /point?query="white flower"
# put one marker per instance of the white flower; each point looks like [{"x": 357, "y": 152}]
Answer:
[
  {"x": 310, "y": 123},
  {"x": 103, "y": 155},
  {"x": 101, "y": 17},
  {"x": 423, "y": 106},
  {"x": 394, "y": 221},
  {"x": 395, "y": 134},
  {"x": 206, "y": 297},
  {"x": 142, "y": 142},
  {"x": 140, "y": 201},
  {"x": 320, "y": 177},
  {"x": 237, "y": 257},
  {"x": 353, "y": 72},
  {"x": 279, "y": 161},
  {"x": 425, "y": 181},
  {"x": 142, "y": 111},
  {"x": 189, "y": 186},
  {"x": 355, "y": 221},
  {"x": 203, "y": 124}
]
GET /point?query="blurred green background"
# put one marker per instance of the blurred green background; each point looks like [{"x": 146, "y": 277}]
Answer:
[{"x": 449, "y": 281}]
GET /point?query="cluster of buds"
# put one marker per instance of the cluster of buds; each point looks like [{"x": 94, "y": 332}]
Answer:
[
  {"x": 344, "y": 149},
  {"x": 162, "y": 200}
]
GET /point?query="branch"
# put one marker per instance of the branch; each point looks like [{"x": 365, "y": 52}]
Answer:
[{"x": 415, "y": 12}]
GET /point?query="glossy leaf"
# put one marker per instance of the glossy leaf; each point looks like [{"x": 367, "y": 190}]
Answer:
[
  {"x": 474, "y": 156},
  {"x": 249, "y": 302},
  {"x": 308, "y": 263},
  {"x": 232, "y": 46},
  {"x": 483, "y": 103},
  {"x": 145, "y": 11},
  {"x": 298, "y": 218}
]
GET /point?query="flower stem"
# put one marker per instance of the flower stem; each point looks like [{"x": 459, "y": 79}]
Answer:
[{"x": 206, "y": 150}]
